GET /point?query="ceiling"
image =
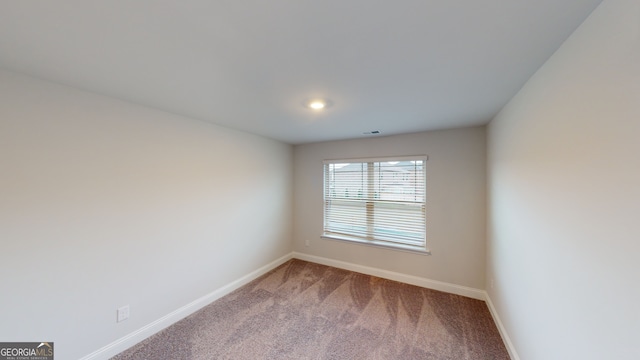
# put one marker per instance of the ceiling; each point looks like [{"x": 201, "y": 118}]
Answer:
[{"x": 392, "y": 66}]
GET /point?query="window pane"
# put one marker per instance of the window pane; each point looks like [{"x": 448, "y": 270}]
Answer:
[
  {"x": 346, "y": 217},
  {"x": 380, "y": 201}
]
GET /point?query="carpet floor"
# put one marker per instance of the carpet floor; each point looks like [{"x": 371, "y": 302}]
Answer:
[{"x": 303, "y": 310}]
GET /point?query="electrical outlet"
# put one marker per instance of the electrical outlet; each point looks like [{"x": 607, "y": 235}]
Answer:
[
  {"x": 123, "y": 313},
  {"x": 491, "y": 284},
  {"x": 307, "y": 243}
]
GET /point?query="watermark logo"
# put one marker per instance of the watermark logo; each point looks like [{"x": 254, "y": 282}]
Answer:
[{"x": 26, "y": 351}]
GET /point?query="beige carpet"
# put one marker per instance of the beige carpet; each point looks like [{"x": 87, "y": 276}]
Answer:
[{"x": 303, "y": 310}]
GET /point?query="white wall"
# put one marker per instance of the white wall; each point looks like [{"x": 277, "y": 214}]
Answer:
[
  {"x": 456, "y": 204},
  {"x": 104, "y": 203},
  {"x": 564, "y": 197}
]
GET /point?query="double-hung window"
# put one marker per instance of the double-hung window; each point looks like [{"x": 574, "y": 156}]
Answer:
[{"x": 376, "y": 201}]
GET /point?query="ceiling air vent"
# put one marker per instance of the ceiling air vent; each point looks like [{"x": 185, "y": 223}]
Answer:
[{"x": 374, "y": 132}]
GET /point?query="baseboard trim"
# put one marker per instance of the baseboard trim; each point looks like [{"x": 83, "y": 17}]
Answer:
[
  {"x": 137, "y": 336},
  {"x": 409, "y": 279},
  {"x": 503, "y": 332}
]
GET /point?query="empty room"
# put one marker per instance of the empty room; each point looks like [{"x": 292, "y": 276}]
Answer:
[{"x": 320, "y": 180}]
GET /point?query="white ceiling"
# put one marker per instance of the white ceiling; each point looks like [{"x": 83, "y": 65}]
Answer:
[{"x": 394, "y": 66}]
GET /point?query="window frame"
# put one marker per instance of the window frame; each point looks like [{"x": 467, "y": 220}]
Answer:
[{"x": 400, "y": 245}]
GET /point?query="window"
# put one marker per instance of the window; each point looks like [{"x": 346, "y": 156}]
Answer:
[{"x": 376, "y": 201}]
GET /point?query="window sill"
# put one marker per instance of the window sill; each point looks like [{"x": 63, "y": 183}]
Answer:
[{"x": 379, "y": 244}]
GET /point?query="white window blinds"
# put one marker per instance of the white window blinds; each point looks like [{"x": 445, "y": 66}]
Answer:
[{"x": 381, "y": 201}]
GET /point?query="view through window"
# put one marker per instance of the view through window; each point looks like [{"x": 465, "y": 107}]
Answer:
[{"x": 376, "y": 201}]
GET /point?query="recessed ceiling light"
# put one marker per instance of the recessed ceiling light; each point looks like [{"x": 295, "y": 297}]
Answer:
[{"x": 317, "y": 104}]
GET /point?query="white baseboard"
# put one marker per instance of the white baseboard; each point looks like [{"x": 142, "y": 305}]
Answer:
[
  {"x": 422, "y": 282},
  {"x": 503, "y": 332},
  {"x": 137, "y": 336},
  {"x": 409, "y": 279}
]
